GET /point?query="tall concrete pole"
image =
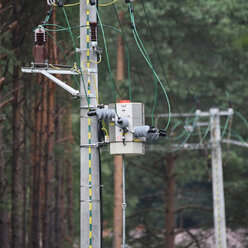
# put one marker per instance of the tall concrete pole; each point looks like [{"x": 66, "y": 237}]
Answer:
[
  {"x": 90, "y": 228},
  {"x": 169, "y": 201},
  {"x": 120, "y": 68},
  {"x": 217, "y": 178}
]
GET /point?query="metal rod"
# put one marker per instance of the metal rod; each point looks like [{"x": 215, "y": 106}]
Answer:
[
  {"x": 49, "y": 70},
  {"x": 61, "y": 84},
  {"x": 197, "y": 113},
  {"x": 124, "y": 205},
  {"x": 235, "y": 142}
]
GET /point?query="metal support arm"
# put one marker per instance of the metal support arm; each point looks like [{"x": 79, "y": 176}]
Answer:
[{"x": 61, "y": 84}]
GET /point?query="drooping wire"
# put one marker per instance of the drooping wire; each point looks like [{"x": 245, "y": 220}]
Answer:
[
  {"x": 159, "y": 59},
  {"x": 122, "y": 30},
  {"x": 73, "y": 42},
  {"x": 107, "y": 4},
  {"x": 67, "y": 5},
  {"x": 135, "y": 34},
  {"x": 128, "y": 58},
  {"x": 107, "y": 57},
  {"x": 68, "y": 61}
]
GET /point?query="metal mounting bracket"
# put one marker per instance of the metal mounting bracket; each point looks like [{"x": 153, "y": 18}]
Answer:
[{"x": 47, "y": 72}]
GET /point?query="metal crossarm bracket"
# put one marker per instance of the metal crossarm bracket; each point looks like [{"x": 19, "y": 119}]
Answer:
[
  {"x": 48, "y": 73},
  {"x": 49, "y": 70}
]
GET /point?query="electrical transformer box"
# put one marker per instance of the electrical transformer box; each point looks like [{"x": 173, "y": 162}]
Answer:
[{"x": 124, "y": 142}]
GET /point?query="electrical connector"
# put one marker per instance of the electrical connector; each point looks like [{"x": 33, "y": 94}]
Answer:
[
  {"x": 60, "y": 3},
  {"x": 92, "y": 2}
]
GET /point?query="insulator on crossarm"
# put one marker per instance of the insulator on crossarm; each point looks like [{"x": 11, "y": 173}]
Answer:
[
  {"x": 40, "y": 51},
  {"x": 40, "y": 36}
]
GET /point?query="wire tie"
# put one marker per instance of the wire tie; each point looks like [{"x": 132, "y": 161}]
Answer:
[
  {"x": 124, "y": 205},
  {"x": 91, "y": 186},
  {"x": 89, "y": 200}
]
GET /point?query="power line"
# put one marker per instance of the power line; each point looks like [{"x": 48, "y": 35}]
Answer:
[
  {"x": 142, "y": 83},
  {"x": 159, "y": 58}
]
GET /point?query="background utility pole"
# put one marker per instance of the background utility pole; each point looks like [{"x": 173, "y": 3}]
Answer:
[
  {"x": 217, "y": 177},
  {"x": 120, "y": 68},
  {"x": 217, "y": 170},
  {"x": 90, "y": 227},
  {"x": 169, "y": 201}
]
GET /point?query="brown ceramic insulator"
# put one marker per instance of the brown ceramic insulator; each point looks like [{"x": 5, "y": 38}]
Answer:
[
  {"x": 93, "y": 26},
  {"x": 40, "y": 54},
  {"x": 40, "y": 36}
]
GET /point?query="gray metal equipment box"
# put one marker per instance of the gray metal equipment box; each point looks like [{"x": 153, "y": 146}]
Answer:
[{"x": 134, "y": 112}]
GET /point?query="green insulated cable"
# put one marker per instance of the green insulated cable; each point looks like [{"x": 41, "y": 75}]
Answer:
[
  {"x": 107, "y": 57},
  {"x": 241, "y": 117},
  {"x": 150, "y": 65},
  {"x": 78, "y": 60},
  {"x": 65, "y": 57},
  {"x": 154, "y": 76},
  {"x": 127, "y": 55},
  {"x": 225, "y": 127}
]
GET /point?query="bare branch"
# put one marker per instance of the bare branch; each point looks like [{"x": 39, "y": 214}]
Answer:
[
  {"x": 180, "y": 230},
  {"x": 194, "y": 238},
  {"x": 146, "y": 210},
  {"x": 6, "y": 102},
  {"x": 193, "y": 207}
]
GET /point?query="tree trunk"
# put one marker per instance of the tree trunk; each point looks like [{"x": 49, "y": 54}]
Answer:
[
  {"x": 69, "y": 177},
  {"x": 120, "y": 69},
  {"x": 59, "y": 178},
  {"x": 17, "y": 165},
  {"x": 4, "y": 222},
  {"x": 36, "y": 216},
  {"x": 49, "y": 216},
  {"x": 169, "y": 202}
]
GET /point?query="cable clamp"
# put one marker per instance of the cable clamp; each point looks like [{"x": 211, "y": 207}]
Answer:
[
  {"x": 124, "y": 205},
  {"x": 51, "y": 2},
  {"x": 92, "y": 2},
  {"x": 96, "y": 145},
  {"x": 91, "y": 70},
  {"x": 86, "y": 107},
  {"x": 90, "y": 145},
  {"x": 89, "y": 200},
  {"x": 60, "y": 3},
  {"x": 87, "y": 6},
  {"x": 91, "y": 186}
]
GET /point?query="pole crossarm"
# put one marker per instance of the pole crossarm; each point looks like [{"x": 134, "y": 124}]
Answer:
[
  {"x": 50, "y": 70},
  {"x": 198, "y": 113},
  {"x": 187, "y": 146},
  {"x": 47, "y": 73},
  {"x": 235, "y": 142}
]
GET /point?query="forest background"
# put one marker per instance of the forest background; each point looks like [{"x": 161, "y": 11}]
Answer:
[{"x": 203, "y": 49}]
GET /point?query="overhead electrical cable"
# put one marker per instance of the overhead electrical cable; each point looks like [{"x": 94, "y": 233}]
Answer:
[
  {"x": 66, "y": 5},
  {"x": 73, "y": 42},
  {"x": 128, "y": 57},
  {"x": 159, "y": 58},
  {"x": 107, "y": 57},
  {"x": 136, "y": 36},
  {"x": 107, "y": 4},
  {"x": 75, "y": 79},
  {"x": 141, "y": 81}
]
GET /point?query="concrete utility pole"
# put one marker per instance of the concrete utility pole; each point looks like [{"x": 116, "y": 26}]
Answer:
[
  {"x": 217, "y": 170},
  {"x": 118, "y": 158},
  {"x": 169, "y": 199},
  {"x": 90, "y": 227},
  {"x": 217, "y": 177}
]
